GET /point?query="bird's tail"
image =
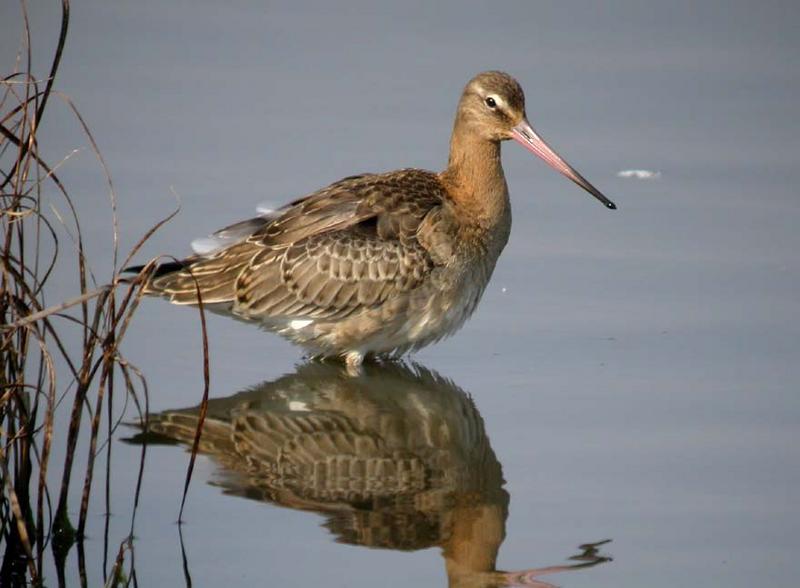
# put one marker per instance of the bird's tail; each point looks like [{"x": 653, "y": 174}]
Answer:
[{"x": 181, "y": 280}]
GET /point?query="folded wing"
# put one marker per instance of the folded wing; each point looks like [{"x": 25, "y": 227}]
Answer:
[{"x": 348, "y": 247}]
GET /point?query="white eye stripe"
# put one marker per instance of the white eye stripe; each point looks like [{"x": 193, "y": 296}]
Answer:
[{"x": 499, "y": 103}]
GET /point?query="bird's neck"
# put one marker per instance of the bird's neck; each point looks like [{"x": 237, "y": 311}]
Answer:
[{"x": 474, "y": 176}]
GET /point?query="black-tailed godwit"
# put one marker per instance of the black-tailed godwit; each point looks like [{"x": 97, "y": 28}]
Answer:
[{"x": 376, "y": 264}]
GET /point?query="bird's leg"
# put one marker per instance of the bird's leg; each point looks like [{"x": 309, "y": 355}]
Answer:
[{"x": 353, "y": 361}]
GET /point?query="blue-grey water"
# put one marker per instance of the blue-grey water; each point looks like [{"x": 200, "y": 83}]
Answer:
[{"x": 636, "y": 371}]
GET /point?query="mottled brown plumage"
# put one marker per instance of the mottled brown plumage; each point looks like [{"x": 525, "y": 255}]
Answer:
[{"x": 375, "y": 264}]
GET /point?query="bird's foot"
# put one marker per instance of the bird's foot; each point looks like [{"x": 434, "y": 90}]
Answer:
[{"x": 353, "y": 361}]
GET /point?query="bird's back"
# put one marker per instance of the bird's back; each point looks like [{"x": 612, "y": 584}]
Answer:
[{"x": 346, "y": 246}]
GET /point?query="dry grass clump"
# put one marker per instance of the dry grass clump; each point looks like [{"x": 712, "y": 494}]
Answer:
[{"x": 62, "y": 370}]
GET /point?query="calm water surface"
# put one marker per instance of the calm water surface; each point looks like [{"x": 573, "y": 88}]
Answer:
[{"x": 630, "y": 376}]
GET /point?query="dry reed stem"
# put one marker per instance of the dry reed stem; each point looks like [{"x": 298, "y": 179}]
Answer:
[{"x": 36, "y": 337}]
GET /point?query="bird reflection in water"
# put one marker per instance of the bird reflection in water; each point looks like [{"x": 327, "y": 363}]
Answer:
[{"x": 394, "y": 458}]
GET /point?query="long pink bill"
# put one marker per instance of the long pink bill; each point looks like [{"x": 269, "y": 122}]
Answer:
[{"x": 524, "y": 134}]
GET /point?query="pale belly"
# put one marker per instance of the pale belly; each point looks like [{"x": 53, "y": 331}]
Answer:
[{"x": 433, "y": 311}]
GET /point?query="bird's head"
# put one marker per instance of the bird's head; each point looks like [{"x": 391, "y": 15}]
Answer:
[{"x": 493, "y": 108}]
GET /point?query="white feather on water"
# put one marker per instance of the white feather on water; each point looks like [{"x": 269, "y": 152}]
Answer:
[{"x": 639, "y": 174}]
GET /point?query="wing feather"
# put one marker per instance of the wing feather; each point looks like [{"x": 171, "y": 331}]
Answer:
[
  {"x": 333, "y": 275},
  {"x": 341, "y": 250}
]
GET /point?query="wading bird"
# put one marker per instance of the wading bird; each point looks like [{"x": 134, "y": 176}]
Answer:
[{"x": 376, "y": 264}]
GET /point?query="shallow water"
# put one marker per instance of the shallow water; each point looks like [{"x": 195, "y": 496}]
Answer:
[{"x": 635, "y": 373}]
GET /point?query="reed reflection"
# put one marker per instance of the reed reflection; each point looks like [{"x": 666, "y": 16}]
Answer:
[{"x": 396, "y": 457}]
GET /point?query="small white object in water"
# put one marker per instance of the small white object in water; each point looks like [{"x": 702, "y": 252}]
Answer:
[
  {"x": 639, "y": 174},
  {"x": 298, "y": 324},
  {"x": 504, "y": 289}
]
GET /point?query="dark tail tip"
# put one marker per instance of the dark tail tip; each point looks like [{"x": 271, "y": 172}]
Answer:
[{"x": 161, "y": 270}]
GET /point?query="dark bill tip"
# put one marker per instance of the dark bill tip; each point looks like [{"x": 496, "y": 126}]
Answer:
[{"x": 524, "y": 134}]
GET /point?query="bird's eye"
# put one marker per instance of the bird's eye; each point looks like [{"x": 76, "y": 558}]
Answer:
[{"x": 490, "y": 102}]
